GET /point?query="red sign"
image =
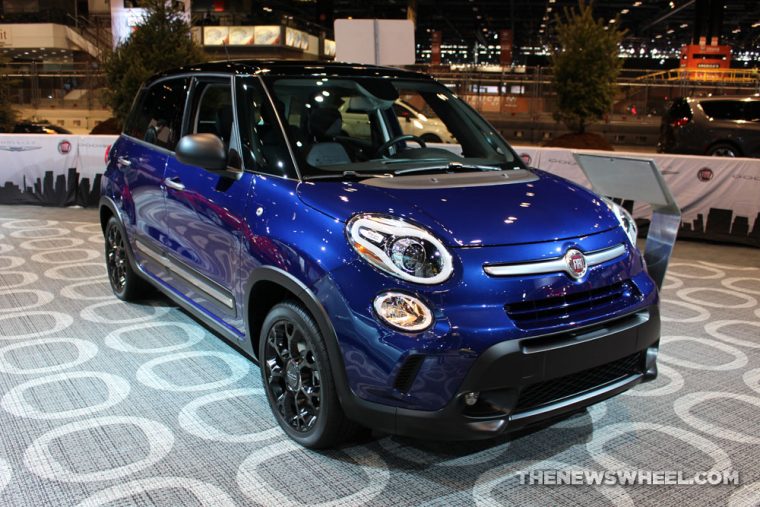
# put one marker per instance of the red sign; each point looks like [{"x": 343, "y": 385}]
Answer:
[
  {"x": 506, "y": 39},
  {"x": 435, "y": 47},
  {"x": 696, "y": 56}
]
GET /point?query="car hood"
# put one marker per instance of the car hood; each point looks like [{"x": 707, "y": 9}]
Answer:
[{"x": 471, "y": 209}]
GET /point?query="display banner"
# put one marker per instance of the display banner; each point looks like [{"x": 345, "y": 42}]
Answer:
[
  {"x": 52, "y": 170},
  {"x": 719, "y": 197}
]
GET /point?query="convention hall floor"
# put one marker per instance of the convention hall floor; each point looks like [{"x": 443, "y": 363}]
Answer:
[{"x": 103, "y": 402}]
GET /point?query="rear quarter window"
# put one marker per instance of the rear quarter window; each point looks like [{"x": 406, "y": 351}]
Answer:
[{"x": 157, "y": 117}]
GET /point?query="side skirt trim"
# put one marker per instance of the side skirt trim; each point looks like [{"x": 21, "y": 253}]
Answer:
[{"x": 221, "y": 295}]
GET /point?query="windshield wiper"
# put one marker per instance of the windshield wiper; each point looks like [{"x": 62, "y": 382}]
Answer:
[
  {"x": 452, "y": 166},
  {"x": 391, "y": 161},
  {"x": 345, "y": 174}
]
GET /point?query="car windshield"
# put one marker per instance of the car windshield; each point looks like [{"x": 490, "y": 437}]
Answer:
[{"x": 342, "y": 127}]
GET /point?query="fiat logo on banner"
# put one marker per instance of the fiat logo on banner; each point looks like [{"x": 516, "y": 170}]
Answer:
[
  {"x": 576, "y": 263},
  {"x": 526, "y": 158},
  {"x": 705, "y": 174},
  {"x": 64, "y": 147}
]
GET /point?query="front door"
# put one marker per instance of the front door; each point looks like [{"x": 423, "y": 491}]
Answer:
[{"x": 205, "y": 210}]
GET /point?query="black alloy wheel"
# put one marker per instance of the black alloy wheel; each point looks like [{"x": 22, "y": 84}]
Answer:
[
  {"x": 116, "y": 259},
  {"x": 298, "y": 380},
  {"x": 126, "y": 284},
  {"x": 293, "y": 375}
]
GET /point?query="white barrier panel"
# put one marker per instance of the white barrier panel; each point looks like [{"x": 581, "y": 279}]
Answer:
[
  {"x": 719, "y": 197},
  {"x": 52, "y": 170},
  {"x": 92, "y": 154}
]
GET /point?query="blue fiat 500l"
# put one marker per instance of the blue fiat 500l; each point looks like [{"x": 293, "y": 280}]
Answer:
[{"x": 442, "y": 291}]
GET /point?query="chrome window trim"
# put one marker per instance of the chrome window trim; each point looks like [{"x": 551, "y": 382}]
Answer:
[
  {"x": 557, "y": 265},
  {"x": 189, "y": 277}
]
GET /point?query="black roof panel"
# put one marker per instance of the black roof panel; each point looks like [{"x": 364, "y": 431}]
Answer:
[{"x": 293, "y": 68}]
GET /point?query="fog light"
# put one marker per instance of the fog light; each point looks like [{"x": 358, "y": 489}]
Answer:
[
  {"x": 471, "y": 398},
  {"x": 403, "y": 311}
]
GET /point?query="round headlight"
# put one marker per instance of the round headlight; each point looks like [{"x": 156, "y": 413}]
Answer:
[
  {"x": 402, "y": 249},
  {"x": 625, "y": 220},
  {"x": 403, "y": 311},
  {"x": 409, "y": 255}
]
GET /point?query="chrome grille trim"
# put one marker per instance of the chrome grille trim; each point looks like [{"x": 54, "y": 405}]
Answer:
[{"x": 554, "y": 265}]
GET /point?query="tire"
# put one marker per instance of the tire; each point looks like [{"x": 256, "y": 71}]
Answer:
[
  {"x": 125, "y": 283},
  {"x": 431, "y": 138},
  {"x": 723, "y": 150},
  {"x": 296, "y": 374}
]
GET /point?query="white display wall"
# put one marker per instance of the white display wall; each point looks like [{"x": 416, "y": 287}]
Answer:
[{"x": 719, "y": 197}]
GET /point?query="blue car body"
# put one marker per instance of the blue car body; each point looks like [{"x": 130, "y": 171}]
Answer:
[{"x": 533, "y": 346}]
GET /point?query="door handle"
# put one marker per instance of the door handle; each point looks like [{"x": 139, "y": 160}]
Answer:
[
  {"x": 122, "y": 161},
  {"x": 174, "y": 183}
]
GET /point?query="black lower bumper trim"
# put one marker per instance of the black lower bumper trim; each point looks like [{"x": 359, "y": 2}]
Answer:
[{"x": 617, "y": 355}]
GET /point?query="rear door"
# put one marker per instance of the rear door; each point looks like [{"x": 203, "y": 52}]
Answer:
[
  {"x": 150, "y": 135},
  {"x": 205, "y": 210}
]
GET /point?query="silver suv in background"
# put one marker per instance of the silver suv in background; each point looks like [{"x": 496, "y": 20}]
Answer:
[{"x": 718, "y": 126}]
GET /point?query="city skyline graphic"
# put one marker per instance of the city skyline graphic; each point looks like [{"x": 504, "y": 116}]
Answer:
[
  {"x": 53, "y": 190},
  {"x": 722, "y": 225}
]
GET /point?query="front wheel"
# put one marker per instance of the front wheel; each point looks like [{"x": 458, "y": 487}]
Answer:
[{"x": 295, "y": 371}]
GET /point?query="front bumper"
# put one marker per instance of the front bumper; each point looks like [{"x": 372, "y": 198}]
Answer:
[{"x": 521, "y": 382}]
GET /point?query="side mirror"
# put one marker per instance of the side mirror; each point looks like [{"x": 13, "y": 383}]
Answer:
[{"x": 202, "y": 150}]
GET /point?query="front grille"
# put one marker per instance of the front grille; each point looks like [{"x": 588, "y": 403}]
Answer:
[
  {"x": 571, "y": 385},
  {"x": 573, "y": 308},
  {"x": 408, "y": 372}
]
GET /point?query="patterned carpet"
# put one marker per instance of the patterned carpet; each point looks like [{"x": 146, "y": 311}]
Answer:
[{"x": 107, "y": 403}]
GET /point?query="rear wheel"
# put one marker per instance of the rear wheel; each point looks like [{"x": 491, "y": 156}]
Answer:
[
  {"x": 723, "y": 150},
  {"x": 126, "y": 284},
  {"x": 295, "y": 371}
]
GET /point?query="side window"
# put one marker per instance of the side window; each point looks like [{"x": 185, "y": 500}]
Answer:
[
  {"x": 724, "y": 109},
  {"x": 262, "y": 139},
  {"x": 157, "y": 119},
  {"x": 212, "y": 110},
  {"x": 212, "y": 113},
  {"x": 752, "y": 111}
]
